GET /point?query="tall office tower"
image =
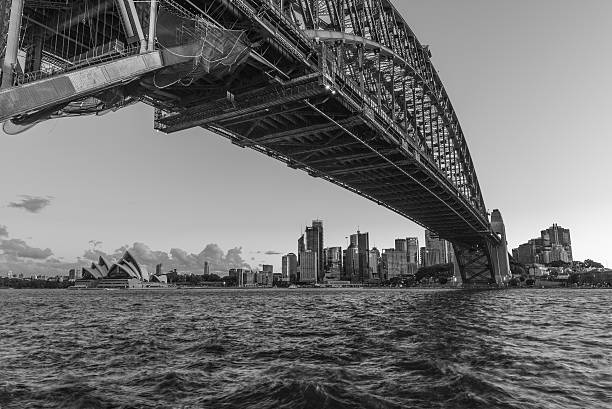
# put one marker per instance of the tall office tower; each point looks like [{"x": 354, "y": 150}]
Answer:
[
  {"x": 333, "y": 259},
  {"x": 314, "y": 242},
  {"x": 413, "y": 250},
  {"x": 158, "y": 269},
  {"x": 301, "y": 247},
  {"x": 362, "y": 242},
  {"x": 374, "y": 264},
  {"x": 289, "y": 268},
  {"x": 401, "y": 245},
  {"x": 436, "y": 249},
  {"x": 308, "y": 267},
  {"x": 351, "y": 262},
  {"x": 206, "y": 268},
  {"x": 394, "y": 263}
]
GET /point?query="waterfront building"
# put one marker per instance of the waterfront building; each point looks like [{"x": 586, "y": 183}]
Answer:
[
  {"x": 265, "y": 278},
  {"x": 206, "y": 268},
  {"x": 308, "y": 267},
  {"x": 394, "y": 263},
  {"x": 75, "y": 274},
  {"x": 289, "y": 268},
  {"x": 125, "y": 273}
]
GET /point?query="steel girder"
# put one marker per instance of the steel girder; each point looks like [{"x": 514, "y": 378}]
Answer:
[{"x": 373, "y": 45}]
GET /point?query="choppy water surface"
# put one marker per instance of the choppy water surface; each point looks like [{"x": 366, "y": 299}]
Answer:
[{"x": 306, "y": 349}]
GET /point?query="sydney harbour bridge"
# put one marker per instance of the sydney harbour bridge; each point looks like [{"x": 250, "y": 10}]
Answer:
[{"x": 341, "y": 89}]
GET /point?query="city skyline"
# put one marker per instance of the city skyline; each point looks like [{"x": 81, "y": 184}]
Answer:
[{"x": 129, "y": 184}]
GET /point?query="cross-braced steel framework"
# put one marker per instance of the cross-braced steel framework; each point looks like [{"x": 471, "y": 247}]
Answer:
[{"x": 342, "y": 89}]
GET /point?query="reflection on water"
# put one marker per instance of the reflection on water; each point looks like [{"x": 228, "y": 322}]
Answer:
[{"x": 306, "y": 349}]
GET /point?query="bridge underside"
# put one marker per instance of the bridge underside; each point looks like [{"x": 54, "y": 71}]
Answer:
[
  {"x": 307, "y": 125},
  {"x": 350, "y": 106}
]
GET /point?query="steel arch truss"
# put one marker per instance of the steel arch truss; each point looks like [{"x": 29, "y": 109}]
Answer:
[{"x": 371, "y": 44}]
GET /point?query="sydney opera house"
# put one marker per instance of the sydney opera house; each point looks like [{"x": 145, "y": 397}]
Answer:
[{"x": 125, "y": 273}]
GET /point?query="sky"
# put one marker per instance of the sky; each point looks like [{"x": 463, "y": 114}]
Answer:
[{"x": 530, "y": 84}]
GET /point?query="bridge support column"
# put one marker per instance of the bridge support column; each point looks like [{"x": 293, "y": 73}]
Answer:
[
  {"x": 500, "y": 251},
  {"x": 12, "y": 43},
  {"x": 485, "y": 263}
]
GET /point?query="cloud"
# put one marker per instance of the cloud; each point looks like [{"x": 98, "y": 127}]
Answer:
[
  {"x": 32, "y": 204},
  {"x": 17, "y": 255},
  {"x": 3, "y": 231},
  {"x": 95, "y": 243},
  {"x": 19, "y": 248},
  {"x": 272, "y": 253},
  {"x": 212, "y": 254}
]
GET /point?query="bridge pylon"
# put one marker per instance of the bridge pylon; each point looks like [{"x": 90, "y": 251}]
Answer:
[{"x": 485, "y": 263}]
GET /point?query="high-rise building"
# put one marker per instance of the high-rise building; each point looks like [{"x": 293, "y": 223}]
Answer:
[
  {"x": 351, "y": 262},
  {"x": 333, "y": 260},
  {"x": 413, "y": 250},
  {"x": 289, "y": 268},
  {"x": 308, "y": 267},
  {"x": 314, "y": 242},
  {"x": 206, "y": 268},
  {"x": 374, "y": 265},
  {"x": 436, "y": 250},
  {"x": 394, "y": 263},
  {"x": 301, "y": 247},
  {"x": 361, "y": 242},
  {"x": 401, "y": 245}
]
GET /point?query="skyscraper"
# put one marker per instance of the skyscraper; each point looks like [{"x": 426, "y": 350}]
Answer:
[
  {"x": 289, "y": 268},
  {"x": 413, "y": 250},
  {"x": 373, "y": 264},
  {"x": 394, "y": 263},
  {"x": 314, "y": 242},
  {"x": 361, "y": 242},
  {"x": 351, "y": 263},
  {"x": 436, "y": 250},
  {"x": 301, "y": 247},
  {"x": 401, "y": 245},
  {"x": 308, "y": 267},
  {"x": 333, "y": 259}
]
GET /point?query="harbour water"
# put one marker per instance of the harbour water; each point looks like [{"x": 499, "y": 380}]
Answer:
[{"x": 317, "y": 348}]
